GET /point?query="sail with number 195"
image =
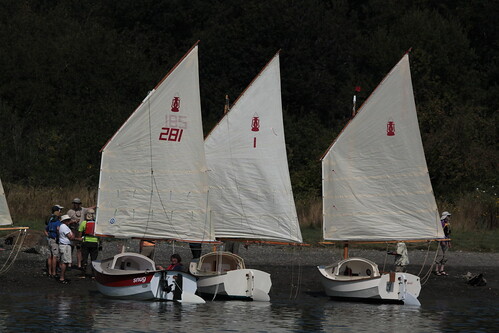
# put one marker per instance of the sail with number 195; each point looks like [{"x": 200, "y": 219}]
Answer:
[{"x": 153, "y": 185}]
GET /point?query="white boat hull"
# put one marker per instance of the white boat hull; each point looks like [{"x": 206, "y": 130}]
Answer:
[
  {"x": 393, "y": 287},
  {"x": 137, "y": 282},
  {"x": 245, "y": 284},
  {"x": 224, "y": 275}
]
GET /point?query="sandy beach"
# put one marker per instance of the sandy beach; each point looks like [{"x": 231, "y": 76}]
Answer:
[{"x": 293, "y": 269}]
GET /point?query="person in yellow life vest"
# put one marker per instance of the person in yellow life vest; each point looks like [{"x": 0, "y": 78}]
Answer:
[
  {"x": 147, "y": 247},
  {"x": 90, "y": 243}
]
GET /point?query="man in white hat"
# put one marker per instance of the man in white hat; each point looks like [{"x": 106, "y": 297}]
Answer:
[
  {"x": 445, "y": 245},
  {"x": 65, "y": 238}
]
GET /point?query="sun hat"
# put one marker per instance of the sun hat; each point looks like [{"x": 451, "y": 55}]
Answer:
[
  {"x": 56, "y": 208},
  {"x": 76, "y": 201},
  {"x": 65, "y": 217},
  {"x": 90, "y": 212},
  {"x": 445, "y": 214}
]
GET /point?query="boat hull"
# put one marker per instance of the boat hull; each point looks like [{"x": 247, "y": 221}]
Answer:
[
  {"x": 244, "y": 284},
  {"x": 393, "y": 287},
  {"x": 224, "y": 275},
  {"x": 142, "y": 283}
]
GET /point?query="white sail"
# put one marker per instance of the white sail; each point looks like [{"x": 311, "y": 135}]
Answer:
[
  {"x": 5, "y": 218},
  {"x": 250, "y": 189},
  {"x": 153, "y": 181},
  {"x": 375, "y": 179}
]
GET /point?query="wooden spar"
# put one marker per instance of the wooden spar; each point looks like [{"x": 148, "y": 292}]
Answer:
[
  {"x": 345, "y": 250},
  {"x": 15, "y": 228},
  {"x": 354, "y": 104},
  {"x": 226, "y": 106},
  {"x": 261, "y": 242},
  {"x": 163, "y": 239},
  {"x": 390, "y": 241}
]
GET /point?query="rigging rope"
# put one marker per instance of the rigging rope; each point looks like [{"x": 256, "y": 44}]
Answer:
[
  {"x": 152, "y": 170},
  {"x": 219, "y": 271},
  {"x": 427, "y": 275},
  {"x": 16, "y": 248},
  {"x": 292, "y": 279},
  {"x": 298, "y": 284},
  {"x": 154, "y": 185},
  {"x": 425, "y": 258}
]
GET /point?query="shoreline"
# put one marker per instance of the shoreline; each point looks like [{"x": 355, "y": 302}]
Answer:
[{"x": 293, "y": 270}]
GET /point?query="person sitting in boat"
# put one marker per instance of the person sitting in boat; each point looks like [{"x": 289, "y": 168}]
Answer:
[
  {"x": 347, "y": 271},
  {"x": 176, "y": 264},
  {"x": 401, "y": 257},
  {"x": 445, "y": 245}
]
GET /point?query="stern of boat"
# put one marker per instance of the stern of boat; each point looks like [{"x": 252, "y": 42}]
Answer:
[
  {"x": 132, "y": 276},
  {"x": 402, "y": 287}
]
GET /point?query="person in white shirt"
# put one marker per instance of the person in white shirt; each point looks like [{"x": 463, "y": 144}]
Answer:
[{"x": 65, "y": 238}]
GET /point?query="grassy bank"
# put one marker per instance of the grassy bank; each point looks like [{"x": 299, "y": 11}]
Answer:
[
  {"x": 31, "y": 206},
  {"x": 474, "y": 216},
  {"x": 474, "y": 222},
  {"x": 462, "y": 240}
]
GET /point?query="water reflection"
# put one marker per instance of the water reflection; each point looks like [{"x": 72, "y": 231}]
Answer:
[{"x": 20, "y": 312}]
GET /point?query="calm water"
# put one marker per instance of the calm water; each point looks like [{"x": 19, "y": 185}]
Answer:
[{"x": 21, "y": 312}]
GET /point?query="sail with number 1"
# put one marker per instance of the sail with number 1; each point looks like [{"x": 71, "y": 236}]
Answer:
[
  {"x": 376, "y": 187},
  {"x": 251, "y": 197},
  {"x": 153, "y": 185}
]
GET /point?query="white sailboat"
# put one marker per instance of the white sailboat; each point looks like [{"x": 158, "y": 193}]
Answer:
[
  {"x": 7, "y": 224},
  {"x": 376, "y": 187},
  {"x": 153, "y": 185},
  {"x": 250, "y": 190},
  {"x": 5, "y": 218}
]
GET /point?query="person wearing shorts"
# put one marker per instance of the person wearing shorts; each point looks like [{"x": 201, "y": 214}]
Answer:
[
  {"x": 65, "y": 238},
  {"x": 52, "y": 233}
]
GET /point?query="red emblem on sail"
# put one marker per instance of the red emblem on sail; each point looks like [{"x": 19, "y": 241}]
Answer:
[
  {"x": 175, "y": 104},
  {"x": 390, "y": 128},
  {"x": 255, "y": 127},
  {"x": 255, "y": 124}
]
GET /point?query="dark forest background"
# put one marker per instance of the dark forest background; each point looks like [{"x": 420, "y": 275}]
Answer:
[{"x": 72, "y": 72}]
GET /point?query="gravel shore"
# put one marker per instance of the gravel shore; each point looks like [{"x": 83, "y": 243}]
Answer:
[{"x": 293, "y": 269}]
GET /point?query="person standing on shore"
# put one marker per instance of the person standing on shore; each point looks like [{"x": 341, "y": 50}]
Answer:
[
  {"x": 65, "y": 238},
  {"x": 401, "y": 257},
  {"x": 77, "y": 214},
  {"x": 56, "y": 213},
  {"x": 90, "y": 243},
  {"x": 445, "y": 245},
  {"x": 52, "y": 233},
  {"x": 195, "y": 250},
  {"x": 55, "y": 216}
]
